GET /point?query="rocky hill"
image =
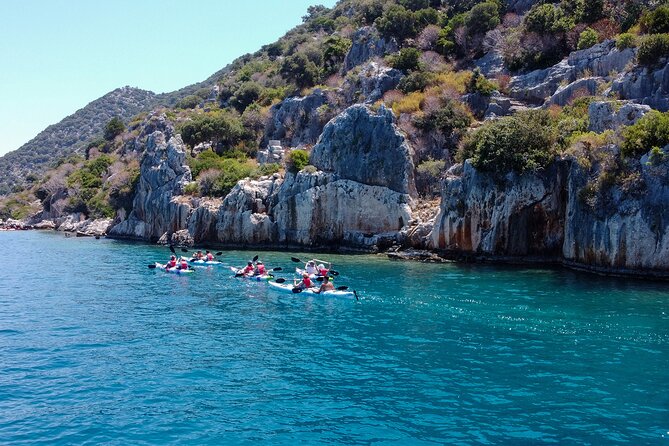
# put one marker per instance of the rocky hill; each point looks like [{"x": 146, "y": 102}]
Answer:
[{"x": 526, "y": 131}]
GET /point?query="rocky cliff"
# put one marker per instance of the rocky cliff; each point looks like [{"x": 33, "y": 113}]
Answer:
[
  {"x": 357, "y": 194},
  {"x": 547, "y": 216}
]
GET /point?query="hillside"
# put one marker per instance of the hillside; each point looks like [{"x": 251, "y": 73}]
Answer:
[
  {"x": 485, "y": 129},
  {"x": 75, "y": 132}
]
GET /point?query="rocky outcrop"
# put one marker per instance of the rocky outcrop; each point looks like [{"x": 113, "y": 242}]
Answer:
[
  {"x": 324, "y": 209},
  {"x": 299, "y": 120},
  {"x": 367, "y": 148},
  {"x": 586, "y": 86},
  {"x": 645, "y": 85},
  {"x": 546, "y": 216},
  {"x": 371, "y": 83},
  {"x": 601, "y": 60},
  {"x": 623, "y": 231},
  {"x": 157, "y": 206},
  {"x": 82, "y": 226},
  {"x": 610, "y": 115},
  {"x": 367, "y": 44},
  {"x": 520, "y": 215}
]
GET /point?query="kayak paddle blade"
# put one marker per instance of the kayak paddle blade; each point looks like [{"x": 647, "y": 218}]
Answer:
[
  {"x": 296, "y": 260},
  {"x": 297, "y": 290},
  {"x": 278, "y": 268},
  {"x": 255, "y": 258},
  {"x": 280, "y": 280},
  {"x": 342, "y": 288},
  {"x": 152, "y": 266}
]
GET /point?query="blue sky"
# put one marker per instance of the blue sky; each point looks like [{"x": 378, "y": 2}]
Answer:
[{"x": 59, "y": 55}]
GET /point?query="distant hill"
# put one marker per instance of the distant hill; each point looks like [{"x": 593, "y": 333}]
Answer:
[{"x": 72, "y": 134}]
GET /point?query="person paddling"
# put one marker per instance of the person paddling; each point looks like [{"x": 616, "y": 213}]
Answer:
[
  {"x": 305, "y": 283},
  {"x": 260, "y": 269},
  {"x": 172, "y": 263},
  {"x": 310, "y": 268},
  {"x": 325, "y": 286},
  {"x": 209, "y": 257},
  {"x": 249, "y": 269},
  {"x": 198, "y": 256},
  {"x": 183, "y": 264}
]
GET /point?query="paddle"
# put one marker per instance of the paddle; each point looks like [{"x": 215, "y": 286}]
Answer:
[
  {"x": 296, "y": 260},
  {"x": 152, "y": 266},
  {"x": 184, "y": 250},
  {"x": 219, "y": 253},
  {"x": 172, "y": 249},
  {"x": 280, "y": 280},
  {"x": 255, "y": 258},
  {"x": 278, "y": 268}
]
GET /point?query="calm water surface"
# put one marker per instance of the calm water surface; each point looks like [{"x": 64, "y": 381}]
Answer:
[{"x": 96, "y": 348}]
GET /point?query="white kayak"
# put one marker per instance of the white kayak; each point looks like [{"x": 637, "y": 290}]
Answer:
[
  {"x": 239, "y": 273},
  {"x": 174, "y": 270},
  {"x": 288, "y": 288},
  {"x": 300, "y": 271},
  {"x": 204, "y": 263}
]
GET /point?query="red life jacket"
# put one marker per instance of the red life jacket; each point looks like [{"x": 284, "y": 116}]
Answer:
[
  {"x": 210, "y": 257},
  {"x": 261, "y": 270},
  {"x": 307, "y": 282},
  {"x": 171, "y": 264},
  {"x": 248, "y": 269},
  {"x": 323, "y": 272},
  {"x": 184, "y": 265}
]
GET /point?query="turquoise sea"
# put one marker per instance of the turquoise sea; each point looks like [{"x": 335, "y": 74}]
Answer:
[{"x": 95, "y": 348}]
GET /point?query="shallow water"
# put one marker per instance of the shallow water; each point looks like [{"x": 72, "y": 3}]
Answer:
[{"x": 95, "y": 347}]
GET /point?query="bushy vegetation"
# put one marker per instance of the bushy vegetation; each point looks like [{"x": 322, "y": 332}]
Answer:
[
  {"x": 520, "y": 143},
  {"x": 588, "y": 38},
  {"x": 653, "y": 48},
  {"x": 222, "y": 128},
  {"x": 297, "y": 160},
  {"x": 650, "y": 131}
]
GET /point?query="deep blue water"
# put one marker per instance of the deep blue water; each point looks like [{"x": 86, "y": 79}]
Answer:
[{"x": 96, "y": 348}]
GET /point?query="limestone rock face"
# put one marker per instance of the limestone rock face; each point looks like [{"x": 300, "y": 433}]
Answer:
[
  {"x": 517, "y": 216},
  {"x": 610, "y": 115},
  {"x": 645, "y": 85},
  {"x": 323, "y": 209},
  {"x": 157, "y": 207},
  {"x": 373, "y": 81},
  {"x": 627, "y": 231},
  {"x": 366, "y": 147},
  {"x": 297, "y": 120},
  {"x": 243, "y": 216},
  {"x": 601, "y": 60},
  {"x": 586, "y": 86},
  {"x": 367, "y": 44}
]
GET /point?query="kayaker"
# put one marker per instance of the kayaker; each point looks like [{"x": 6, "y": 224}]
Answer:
[
  {"x": 209, "y": 257},
  {"x": 310, "y": 268},
  {"x": 198, "y": 255},
  {"x": 322, "y": 270},
  {"x": 249, "y": 270},
  {"x": 305, "y": 283},
  {"x": 326, "y": 285},
  {"x": 260, "y": 269},
  {"x": 171, "y": 263},
  {"x": 183, "y": 264}
]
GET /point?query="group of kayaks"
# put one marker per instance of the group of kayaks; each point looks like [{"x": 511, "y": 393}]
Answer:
[{"x": 279, "y": 284}]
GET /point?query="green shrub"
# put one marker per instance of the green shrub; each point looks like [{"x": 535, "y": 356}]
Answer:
[
  {"x": 406, "y": 60},
  {"x": 246, "y": 94},
  {"x": 428, "y": 176},
  {"x": 300, "y": 70},
  {"x": 190, "y": 101},
  {"x": 397, "y": 22},
  {"x": 479, "y": 84},
  {"x": 114, "y": 128},
  {"x": 653, "y": 48},
  {"x": 625, "y": 40},
  {"x": 547, "y": 18},
  {"x": 219, "y": 127},
  {"x": 650, "y": 131},
  {"x": 427, "y": 16},
  {"x": 520, "y": 143},
  {"x": 482, "y": 18},
  {"x": 657, "y": 21},
  {"x": 588, "y": 38},
  {"x": 414, "y": 5},
  {"x": 219, "y": 181},
  {"x": 297, "y": 160},
  {"x": 334, "y": 52},
  {"x": 267, "y": 169},
  {"x": 657, "y": 156},
  {"x": 416, "y": 81},
  {"x": 452, "y": 117}
]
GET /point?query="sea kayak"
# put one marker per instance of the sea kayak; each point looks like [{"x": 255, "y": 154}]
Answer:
[
  {"x": 175, "y": 270},
  {"x": 238, "y": 273},
  {"x": 300, "y": 271},
  {"x": 288, "y": 288},
  {"x": 204, "y": 263}
]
